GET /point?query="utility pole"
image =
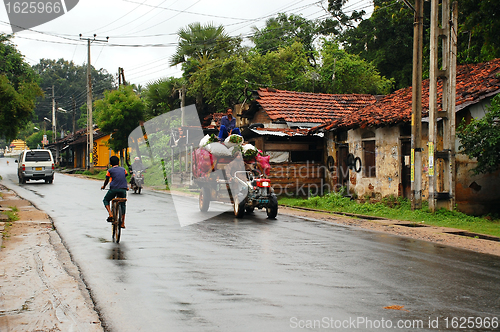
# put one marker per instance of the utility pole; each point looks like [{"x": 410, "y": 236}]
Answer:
[
  {"x": 416, "y": 107},
  {"x": 53, "y": 116},
  {"x": 74, "y": 114},
  {"x": 121, "y": 77},
  {"x": 90, "y": 123},
  {"x": 442, "y": 180},
  {"x": 182, "y": 95}
]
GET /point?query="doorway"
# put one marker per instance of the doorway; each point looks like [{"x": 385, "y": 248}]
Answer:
[{"x": 405, "y": 169}]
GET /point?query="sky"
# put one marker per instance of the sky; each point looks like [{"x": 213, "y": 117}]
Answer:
[{"x": 143, "y": 33}]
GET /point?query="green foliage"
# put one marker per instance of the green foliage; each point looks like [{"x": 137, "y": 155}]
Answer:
[
  {"x": 250, "y": 154},
  {"x": 386, "y": 38},
  {"x": 386, "y": 41},
  {"x": 212, "y": 139},
  {"x": 340, "y": 19},
  {"x": 284, "y": 30},
  {"x": 118, "y": 114},
  {"x": 70, "y": 85},
  {"x": 398, "y": 209},
  {"x": 346, "y": 73},
  {"x": 478, "y": 37},
  {"x": 162, "y": 96},
  {"x": 198, "y": 44},
  {"x": 480, "y": 139},
  {"x": 222, "y": 81},
  {"x": 18, "y": 89},
  {"x": 236, "y": 139},
  {"x": 35, "y": 139}
]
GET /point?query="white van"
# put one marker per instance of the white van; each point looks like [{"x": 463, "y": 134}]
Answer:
[{"x": 35, "y": 164}]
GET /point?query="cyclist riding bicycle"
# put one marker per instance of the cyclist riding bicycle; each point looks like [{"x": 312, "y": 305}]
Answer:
[{"x": 117, "y": 187}]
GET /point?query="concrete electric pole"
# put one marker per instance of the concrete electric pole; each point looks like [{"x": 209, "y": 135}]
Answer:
[
  {"x": 90, "y": 123},
  {"x": 442, "y": 178},
  {"x": 416, "y": 108}
]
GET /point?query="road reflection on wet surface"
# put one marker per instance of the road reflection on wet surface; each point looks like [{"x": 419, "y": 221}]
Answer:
[{"x": 255, "y": 274}]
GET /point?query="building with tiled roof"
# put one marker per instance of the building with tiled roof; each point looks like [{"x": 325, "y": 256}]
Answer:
[
  {"x": 277, "y": 122},
  {"x": 71, "y": 151},
  {"x": 378, "y": 138},
  {"x": 303, "y": 109},
  {"x": 475, "y": 82}
]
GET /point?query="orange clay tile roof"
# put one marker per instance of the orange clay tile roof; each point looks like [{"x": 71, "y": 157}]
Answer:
[
  {"x": 281, "y": 131},
  {"x": 307, "y": 107},
  {"x": 474, "y": 83}
]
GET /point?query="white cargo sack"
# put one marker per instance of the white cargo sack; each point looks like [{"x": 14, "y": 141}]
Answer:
[
  {"x": 218, "y": 149},
  {"x": 204, "y": 141},
  {"x": 234, "y": 137}
]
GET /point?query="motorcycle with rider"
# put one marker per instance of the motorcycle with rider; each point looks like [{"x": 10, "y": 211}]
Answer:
[{"x": 137, "y": 179}]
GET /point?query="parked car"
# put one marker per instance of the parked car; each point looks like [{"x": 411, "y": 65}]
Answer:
[{"x": 35, "y": 164}]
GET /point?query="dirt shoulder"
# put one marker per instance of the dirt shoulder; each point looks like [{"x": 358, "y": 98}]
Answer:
[
  {"x": 40, "y": 287},
  {"x": 403, "y": 228}
]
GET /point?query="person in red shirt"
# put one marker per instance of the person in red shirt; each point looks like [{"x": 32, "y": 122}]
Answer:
[{"x": 117, "y": 179}]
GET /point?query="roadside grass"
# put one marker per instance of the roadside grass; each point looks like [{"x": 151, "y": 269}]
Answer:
[
  {"x": 96, "y": 174},
  {"x": 399, "y": 209},
  {"x": 152, "y": 178},
  {"x": 12, "y": 216}
]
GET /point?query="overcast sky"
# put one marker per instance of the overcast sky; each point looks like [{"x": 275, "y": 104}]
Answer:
[{"x": 143, "y": 33}]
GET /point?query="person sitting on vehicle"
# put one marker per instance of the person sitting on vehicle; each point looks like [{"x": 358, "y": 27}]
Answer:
[
  {"x": 116, "y": 176},
  {"x": 228, "y": 126},
  {"x": 136, "y": 166}
]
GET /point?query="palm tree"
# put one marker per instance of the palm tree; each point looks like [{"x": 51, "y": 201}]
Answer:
[{"x": 198, "y": 44}]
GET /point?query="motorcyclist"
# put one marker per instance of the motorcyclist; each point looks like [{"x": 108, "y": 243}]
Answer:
[{"x": 136, "y": 166}]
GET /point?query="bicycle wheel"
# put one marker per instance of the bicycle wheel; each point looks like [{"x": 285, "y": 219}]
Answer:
[
  {"x": 116, "y": 221},
  {"x": 119, "y": 223}
]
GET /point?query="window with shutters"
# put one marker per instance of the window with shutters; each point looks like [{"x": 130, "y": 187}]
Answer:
[{"x": 369, "y": 154}]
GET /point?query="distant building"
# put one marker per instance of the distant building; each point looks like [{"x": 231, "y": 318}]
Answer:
[{"x": 17, "y": 145}]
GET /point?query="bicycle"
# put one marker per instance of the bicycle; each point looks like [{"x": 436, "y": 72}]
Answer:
[{"x": 117, "y": 210}]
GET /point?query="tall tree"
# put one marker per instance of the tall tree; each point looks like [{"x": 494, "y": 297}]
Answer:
[
  {"x": 342, "y": 72},
  {"x": 18, "y": 89},
  {"x": 119, "y": 113},
  {"x": 386, "y": 40},
  {"x": 283, "y": 30},
  {"x": 480, "y": 139},
  {"x": 199, "y": 44},
  {"x": 478, "y": 33},
  {"x": 70, "y": 83},
  {"x": 162, "y": 96},
  {"x": 341, "y": 20},
  {"x": 222, "y": 82}
]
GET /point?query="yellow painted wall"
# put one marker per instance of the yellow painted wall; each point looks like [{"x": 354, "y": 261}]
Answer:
[{"x": 103, "y": 153}]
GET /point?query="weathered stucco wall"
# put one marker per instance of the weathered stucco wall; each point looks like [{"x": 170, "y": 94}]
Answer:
[
  {"x": 475, "y": 194},
  {"x": 387, "y": 177}
]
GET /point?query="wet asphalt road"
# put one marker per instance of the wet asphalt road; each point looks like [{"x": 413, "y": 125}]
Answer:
[{"x": 255, "y": 274}]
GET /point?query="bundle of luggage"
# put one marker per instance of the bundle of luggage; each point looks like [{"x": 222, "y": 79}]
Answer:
[{"x": 211, "y": 151}]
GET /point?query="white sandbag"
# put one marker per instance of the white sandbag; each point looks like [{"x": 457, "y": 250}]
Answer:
[
  {"x": 204, "y": 141},
  {"x": 248, "y": 146},
  {"x": 238, "y": 138},
  {"x": 218, "y": 149}
]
